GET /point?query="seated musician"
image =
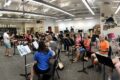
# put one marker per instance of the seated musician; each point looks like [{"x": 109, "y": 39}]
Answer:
[
  {"x": 86, "y": 43},
  {"x": 103, "y": 48},
  {"x": 28, "y": 36},
  {"x": 77, "y": 43},
  {"x": 50, "y": 43},
  {"x": 116, "y": 61},
  {"x": 41, "y": 58}
]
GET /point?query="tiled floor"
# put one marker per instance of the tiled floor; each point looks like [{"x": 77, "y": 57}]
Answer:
[{"x": 11, "y": 67}]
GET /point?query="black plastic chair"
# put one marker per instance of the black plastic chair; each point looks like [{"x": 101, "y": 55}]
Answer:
[{"x": 110, "y": 52}]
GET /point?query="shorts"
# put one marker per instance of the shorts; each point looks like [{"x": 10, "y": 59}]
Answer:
[
  {"x": 7, "y": 45},
  {"x": 38, "y": 71},
  {"x": 82, "y": 50}
]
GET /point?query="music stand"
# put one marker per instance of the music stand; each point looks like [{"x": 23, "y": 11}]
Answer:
[
  {"x": 14, "y": 47},
  {"x": 83, "y": 65},
  {"x": 106, "y": 61},
  {"x": 23, "y": 51},
  {"x": 83, "y": 68},
  {"x": 14, "y": 53}
]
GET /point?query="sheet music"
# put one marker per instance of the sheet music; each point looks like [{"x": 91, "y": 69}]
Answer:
[
  {"x": 35, "y": 44},
  {"x": 23, "y": 50},
  {"x": 27, "y": 49}
]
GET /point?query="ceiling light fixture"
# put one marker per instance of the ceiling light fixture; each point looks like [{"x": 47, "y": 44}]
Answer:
[
  {"x": 78, "y": 18},
  {"x": 7, "y": 3},
  {"x": 116, "y": 1},
  {"x": 89, "y": 18},
  {"x": 64, "y": 4},
  {"x": 114, "y": 7},
  {"x": 117, "y": 10},
  {"x": 67, "y": 19},
  {"x": 41, "y": 2},
  {"x": 88, "y": 6},
  {"x": 1, "y": 14},
  {"x": 26, "y": 13},
  {"x": 52, "y": 1}
]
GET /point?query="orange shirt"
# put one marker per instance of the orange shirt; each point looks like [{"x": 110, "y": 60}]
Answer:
[
  {"x": 103, "y": 46},
  {"x": 87, "y": 43}
]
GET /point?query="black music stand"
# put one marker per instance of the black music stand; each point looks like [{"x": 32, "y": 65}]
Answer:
[
  {"x": 25, "y": 63},
  {"x": 83, "y": 66},
  {"x": 72, "y": 55},
  {"x": 25, "y": 74},
  {"x": 58, "y": 55},
  {"x": 106, "y": 61},
  {"x": 14, "y": 53},
  {"x": 83, "y": 69}
]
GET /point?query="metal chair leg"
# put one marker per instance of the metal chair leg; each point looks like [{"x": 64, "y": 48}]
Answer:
[{"x": 57, "y": 74}]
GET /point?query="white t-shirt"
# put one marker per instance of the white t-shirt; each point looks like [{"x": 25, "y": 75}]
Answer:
[{"x": 6, "y": 38}]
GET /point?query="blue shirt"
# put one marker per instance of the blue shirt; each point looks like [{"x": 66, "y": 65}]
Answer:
[{"x": 42, "y": 59}]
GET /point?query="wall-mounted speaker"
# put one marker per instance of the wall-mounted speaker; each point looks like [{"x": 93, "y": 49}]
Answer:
[{"x": 38, "y": 21}]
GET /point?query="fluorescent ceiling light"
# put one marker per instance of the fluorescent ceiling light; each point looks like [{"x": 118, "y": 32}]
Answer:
[
  {"x": 53, "y": 7},
  {"x": 52, "y": 1},
  {"x": 114, "y": 7},
  {"x": 67, "y": 19},
  {"x": 91, "y": 2},
  {"x": 71, "y": 9},
  {"x": 116, "y": 1},
  {"x": 10, "y": 12},
  {"x": 117, "y": 9},
  {"x": 29, "y": 14},
  {"x": 89, "y": 18},
  {"x": 78, "y": 18},
  {"x": 7, "y": 3},
  {"x": 16, "y": 19},
  {"x": 64, "y": 4},
  {"x": 1, "y": 14},
  {"x": 88, "y": 6},
  {"x": 46, "y": 10},
  {"x": 94, "y": 7}
]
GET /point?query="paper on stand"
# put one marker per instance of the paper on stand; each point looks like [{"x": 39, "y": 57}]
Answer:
[
  {"x": 23, "y": 50},
  {"x": 35, "y": 44},
  {"x": 27, "y": 49}
]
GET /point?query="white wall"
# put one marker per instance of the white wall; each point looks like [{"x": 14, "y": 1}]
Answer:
[
  {"x": 78, "y": 24},
  {"x": 49, "y": 22},
  {"x": 115, "y": 30}
]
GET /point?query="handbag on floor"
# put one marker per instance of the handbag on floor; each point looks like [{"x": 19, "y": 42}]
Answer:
[{"x": 60, "y": 66}]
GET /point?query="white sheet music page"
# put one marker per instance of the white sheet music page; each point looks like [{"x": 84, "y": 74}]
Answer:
[
  {"x": 27, "y": 49},
  {"x": 21, "y": 50},
  {"x": 35, "y": 44}
]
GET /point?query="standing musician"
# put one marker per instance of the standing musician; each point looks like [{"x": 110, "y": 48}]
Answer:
[{"x": 7, "y": 42}]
